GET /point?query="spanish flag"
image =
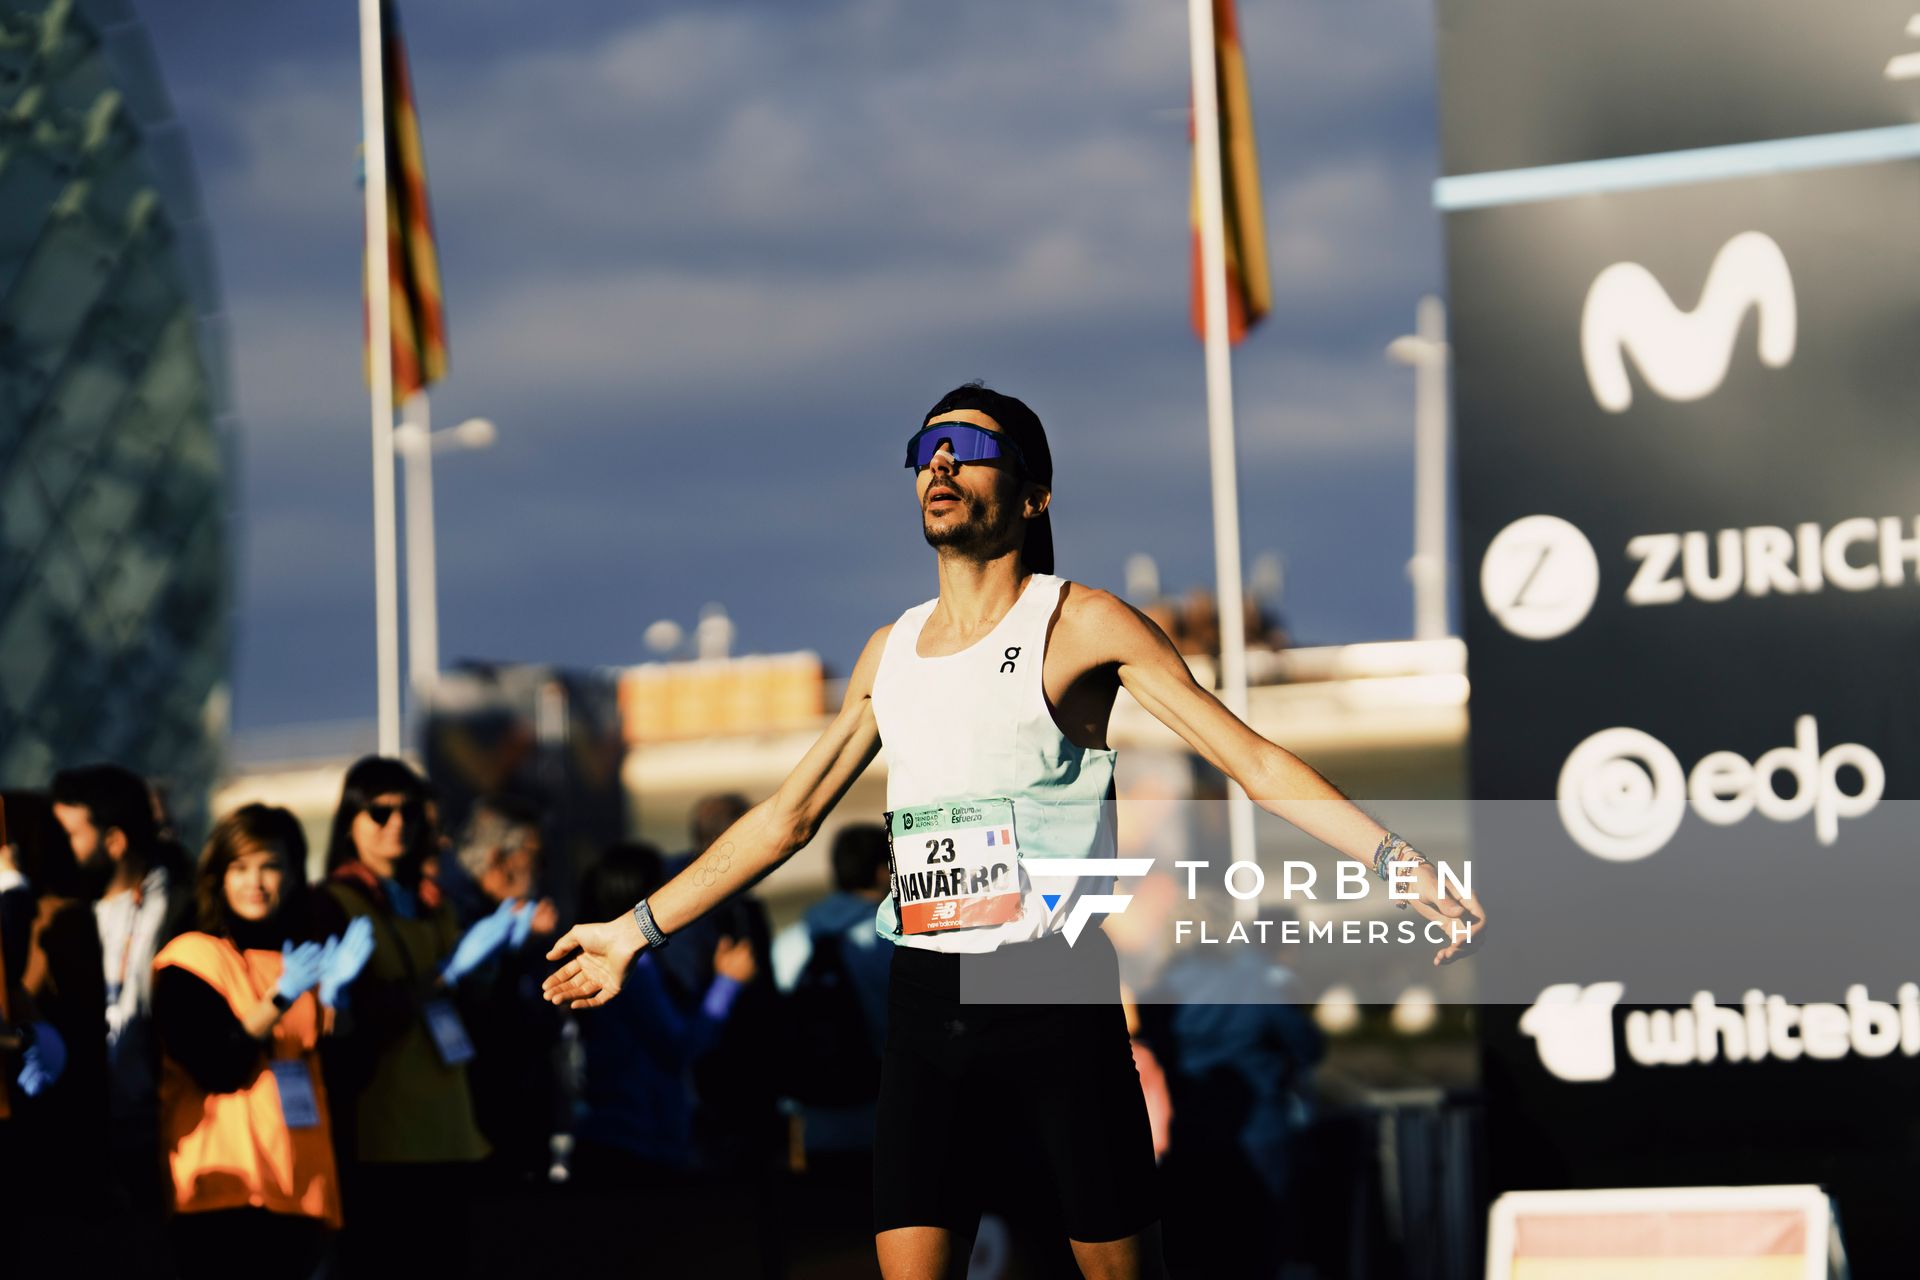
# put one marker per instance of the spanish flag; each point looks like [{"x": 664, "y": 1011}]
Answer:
[
  {"x": 1249, "y": 289},
  {"x": 413, "y": 267}
]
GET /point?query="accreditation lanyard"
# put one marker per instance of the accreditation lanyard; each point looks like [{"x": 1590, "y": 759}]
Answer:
[
  {"x": 444, "y": 1026},
  {"x": 119, "y": 981},
  {"x": 293, "y": 1077}
]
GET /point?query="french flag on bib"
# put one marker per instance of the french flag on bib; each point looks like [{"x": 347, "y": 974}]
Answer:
[{"x": 1005, "y": 835}]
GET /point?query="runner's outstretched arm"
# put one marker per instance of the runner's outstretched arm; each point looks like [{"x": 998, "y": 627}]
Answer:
[
  {"x": 767, "y": 835},
  {"x": 1108, "y": 630}
]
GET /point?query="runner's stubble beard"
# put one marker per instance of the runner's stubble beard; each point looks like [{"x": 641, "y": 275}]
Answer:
[{"x": 986, "y": 528}]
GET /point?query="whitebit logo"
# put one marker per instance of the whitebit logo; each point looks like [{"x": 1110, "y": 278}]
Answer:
[
  {"x": 1684, "y": 355},
  {"x": 1622, "y": 793},
  {"x": 1572, "y": 1027}
]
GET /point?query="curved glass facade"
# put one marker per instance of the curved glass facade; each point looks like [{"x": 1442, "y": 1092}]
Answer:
[{"x": 114, "y": 436}]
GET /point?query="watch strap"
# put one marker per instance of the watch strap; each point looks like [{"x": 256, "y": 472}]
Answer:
[{"x": 643, "y": 916}]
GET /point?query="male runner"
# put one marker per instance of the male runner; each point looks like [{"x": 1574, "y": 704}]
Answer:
[{"x": 992, "y": 701}]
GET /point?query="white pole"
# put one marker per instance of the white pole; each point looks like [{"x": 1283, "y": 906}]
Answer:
[
  {"x": 1427, "y": 351},
  {"x": 1226, "y": 491},
  {"x": 386, "y": 607},
  {"x": 423, "y": 599}
]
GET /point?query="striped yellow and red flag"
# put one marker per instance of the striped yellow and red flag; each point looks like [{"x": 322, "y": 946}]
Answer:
[
  {"x": 413, "y": 265},
  {"x": 1249, "y": 287}
]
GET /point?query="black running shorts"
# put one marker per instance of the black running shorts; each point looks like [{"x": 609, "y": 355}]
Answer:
[{"x": 1065, "y": 1070}]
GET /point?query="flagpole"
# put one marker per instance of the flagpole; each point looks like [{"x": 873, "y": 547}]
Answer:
[
  {"x": 1429, "y": 566},
  {"x": 423, "y": 613},
  {"x": 386, "y": 607},
  {"x": 1226, "y": 490}
]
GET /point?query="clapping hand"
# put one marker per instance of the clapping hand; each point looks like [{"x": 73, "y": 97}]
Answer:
[
  {"x": 733, "y": 958},
  {"x": 299, "y": 969},
  {"x": 478, "y": 945},
  {"x": 522, "y": 927},
  {"x": 43, "y": 1060},
  {"x": 345, "y": 956}
]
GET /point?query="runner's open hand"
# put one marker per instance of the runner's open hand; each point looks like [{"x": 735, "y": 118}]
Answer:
[
  {"x": 1448, "y": 910},
  {"x": 594, "y": 976}
]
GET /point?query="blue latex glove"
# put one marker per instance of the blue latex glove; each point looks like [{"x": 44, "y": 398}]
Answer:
[
  {"x": 43, "y": 1061},
  {"x": 479, "y": 944},
  {"x": 299, "y": 969},
  {"x": 345, "y": 957},
  {"x": 522, "y": 926}
]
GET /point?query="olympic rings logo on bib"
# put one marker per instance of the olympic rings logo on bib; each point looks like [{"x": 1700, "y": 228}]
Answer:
[{"x": 954, "y": 866}]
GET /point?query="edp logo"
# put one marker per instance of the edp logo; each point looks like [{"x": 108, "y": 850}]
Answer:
[{"x": 1622, "y": 792}]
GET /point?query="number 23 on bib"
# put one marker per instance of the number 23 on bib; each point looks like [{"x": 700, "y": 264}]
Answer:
[{"x": 955, "y": 866}]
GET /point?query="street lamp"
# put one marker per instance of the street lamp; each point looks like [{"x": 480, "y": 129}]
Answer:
[
  {"x": 1427, "y": 351},
  {"x": 416, "y": 446}
]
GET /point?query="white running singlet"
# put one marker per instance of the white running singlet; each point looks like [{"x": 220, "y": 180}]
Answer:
[{"x": 976, "y": 725}]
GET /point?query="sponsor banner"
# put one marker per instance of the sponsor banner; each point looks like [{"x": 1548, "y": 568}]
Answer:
[
  {"x": 1531, "y": 83},
  {"x": 1683, "y": 248}
]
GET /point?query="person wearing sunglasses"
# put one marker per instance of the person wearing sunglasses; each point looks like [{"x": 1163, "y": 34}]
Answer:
[
  {"x": 403, "y": 1109},
  {"x": 991, "y": 701}
]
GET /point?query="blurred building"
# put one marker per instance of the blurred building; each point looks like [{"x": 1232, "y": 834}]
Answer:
[{"x": 114, "y": 430}]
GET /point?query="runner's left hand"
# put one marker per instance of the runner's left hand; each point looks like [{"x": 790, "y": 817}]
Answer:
[{"x": 1451, "y": 911}]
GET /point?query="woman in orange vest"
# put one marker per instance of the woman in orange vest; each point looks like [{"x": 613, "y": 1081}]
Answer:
[{"x": 243, "y": 1110}]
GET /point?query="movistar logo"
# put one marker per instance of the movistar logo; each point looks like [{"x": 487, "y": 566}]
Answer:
[{"x": 1684, "y": 355}]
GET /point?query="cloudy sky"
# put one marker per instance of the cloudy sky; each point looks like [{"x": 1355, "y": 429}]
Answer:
[{"x": 706, "y": 265}]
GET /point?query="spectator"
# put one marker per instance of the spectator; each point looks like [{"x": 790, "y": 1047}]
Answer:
[
  {"x": 515, "y": 1031},
  {"x": 636, "y": 1126},
  {"x": 1238, "y": 1055},
  {"x": 833, "y": 969},
  {"x": 32, "y": 1052},
  {"x": 52, "y": 953},
  {"x": 238, "y": 1005},
  {"x": 739, "y": 1131},
  {"x": 634, "y": 1132},
  {"x": 403, "y": 1111},
  {"x": 736, "y": 1116},
  {"x": 142, "y": 901}
]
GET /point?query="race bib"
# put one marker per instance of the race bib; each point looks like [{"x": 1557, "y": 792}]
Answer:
[
  {"x": 297, "y": 1105},
  {"x": 449, "y": 1033},
  {"x": 955, "y": 866}
]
